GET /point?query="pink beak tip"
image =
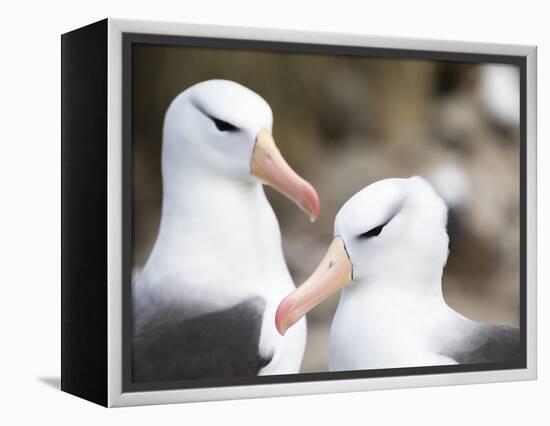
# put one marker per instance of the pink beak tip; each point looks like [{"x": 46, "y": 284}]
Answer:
[
  {"x": 313, "y": 205},
  {"x": 280, "y": 315}
]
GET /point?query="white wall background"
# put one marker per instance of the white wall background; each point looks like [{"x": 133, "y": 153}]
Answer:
[{"x": 30, "y": 195}]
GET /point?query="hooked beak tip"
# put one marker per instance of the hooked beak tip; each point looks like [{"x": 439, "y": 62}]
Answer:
[
  {"x": 281, "y": 317},
  {"x": 314, "y": 205}
]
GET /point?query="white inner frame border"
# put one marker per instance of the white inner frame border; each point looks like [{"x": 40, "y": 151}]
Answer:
[{"x": 116, "y": 397}]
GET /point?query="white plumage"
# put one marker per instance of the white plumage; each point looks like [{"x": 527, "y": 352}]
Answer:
[
  {"x": 388, "y": 255},
  {"x": 219, "y": 241}
]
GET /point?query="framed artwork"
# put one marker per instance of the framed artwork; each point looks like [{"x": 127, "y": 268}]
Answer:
[{"x": 253, "y": 212}]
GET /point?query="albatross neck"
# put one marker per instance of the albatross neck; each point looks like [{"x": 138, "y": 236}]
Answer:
[
  {"x": 214, "y": 200},
  {"x": 391, "y": 290},
  {"x": 221, "y": 215}
]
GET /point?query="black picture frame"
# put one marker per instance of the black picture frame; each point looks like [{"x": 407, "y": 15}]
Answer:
[{"x": 85, "y": 114}]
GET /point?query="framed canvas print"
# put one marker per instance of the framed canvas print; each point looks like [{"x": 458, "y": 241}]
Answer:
[{"x": 251, "y": 212}]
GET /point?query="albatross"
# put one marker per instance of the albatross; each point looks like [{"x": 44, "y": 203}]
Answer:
[
  {"x": 204, "y": 303},
  {"x": 387, "y": 257}
]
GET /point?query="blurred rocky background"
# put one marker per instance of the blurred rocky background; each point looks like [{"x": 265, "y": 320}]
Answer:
[{"x": 343, "y": 122}]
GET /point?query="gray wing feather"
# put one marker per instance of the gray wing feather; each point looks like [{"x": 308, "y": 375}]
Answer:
[
  {"x": 487, "y": 343},
  {"x": 218, "y": 344}
]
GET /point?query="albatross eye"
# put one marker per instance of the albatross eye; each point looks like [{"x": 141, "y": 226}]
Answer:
[
  {"x": 224, "y": 126},
  {"x": 373, "y": 232}
]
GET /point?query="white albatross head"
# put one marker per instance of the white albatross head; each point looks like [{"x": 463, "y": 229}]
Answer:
[
  {"x": 391, "y": 232},
  {"x": 221, "y": 128}
]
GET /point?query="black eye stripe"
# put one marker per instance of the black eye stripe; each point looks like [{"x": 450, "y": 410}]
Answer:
[
  {"x": 224, "y": 126},
  {"x": 373, "y": 232}
]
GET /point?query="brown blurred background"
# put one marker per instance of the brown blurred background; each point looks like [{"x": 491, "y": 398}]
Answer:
[{"x": 343, "y": 122}]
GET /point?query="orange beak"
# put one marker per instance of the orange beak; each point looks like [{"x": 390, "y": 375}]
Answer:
[
  {"x": 269, "y": 165},
  {"x": 334, "y": 271}
]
